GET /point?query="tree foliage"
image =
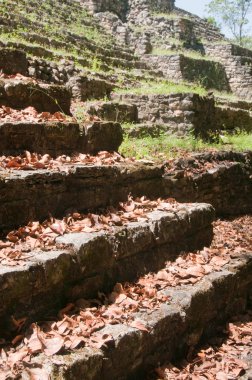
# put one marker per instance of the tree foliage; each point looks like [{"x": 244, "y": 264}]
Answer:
[{"x": 234, "y": 15}]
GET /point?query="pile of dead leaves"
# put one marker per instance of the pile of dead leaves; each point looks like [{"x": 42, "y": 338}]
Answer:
[
  {"x": 192, "y": 167},
  {"x": 19, "y": 244},
  {"x": 226, "y": 361},
  {"x": 30, "y": 115},
  {"x": 231, "y": 239},
  {"x": 34, "y": 161},
  {"x": 81, "y": 323}
]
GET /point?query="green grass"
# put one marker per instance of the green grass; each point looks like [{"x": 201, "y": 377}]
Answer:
[
  {"x": 166, "y": 147},
  {"x": 239, "y": 142},
  {"x": 162, "y": 88},
  {"x": 58, "y": 20}
]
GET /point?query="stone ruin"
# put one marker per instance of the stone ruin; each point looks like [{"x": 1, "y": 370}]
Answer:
[
  {"x": 148, "y": 25},
  {"x": 37, "y": 283}
]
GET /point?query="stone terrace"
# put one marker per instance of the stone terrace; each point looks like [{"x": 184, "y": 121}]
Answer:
[{"x": 109, "y": 265}]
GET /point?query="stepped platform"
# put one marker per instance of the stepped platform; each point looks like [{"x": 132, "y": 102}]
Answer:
[
  {"x": 92, "y": 262},
  {"x": 57, "y": 138},
  {"x": 237, "y": 62},
  {"x": 181, "y": 113},
  {"x": 20, "y": 94},
  {"x": 129, "y": 349},
  {"x": 210, "y": 74},
  {"x": 34, "y": 194},
  {"x": 13, "y": 61},
  {"x": 113, "y": 111},
  {"x": 109, "y": 265},
  {"x": 224, "y": 180}
]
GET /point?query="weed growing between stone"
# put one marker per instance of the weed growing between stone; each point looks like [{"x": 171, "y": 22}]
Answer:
[{"x": 170, "y": 146}]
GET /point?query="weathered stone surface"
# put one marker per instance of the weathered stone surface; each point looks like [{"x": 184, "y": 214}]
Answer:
[
  {"x": 193, "y": 312},
  {"x": 186, "y": 113},
  {"x": 228, "y": 186},
  {"x": 119, "y": 112},
  {"x": 210, "y": 74},
  {"x": 233, "y": 119},
  {"x": 237, "y": 62},
  {"x": 33, "y": 195},
  {"x": 182, "y": 113},
  {"x": 21, "y": 94},
  {"x": 84, "y": 88},
  {"x": 13, "y": 61},
  {"x": 103, "y": 136},
  {"x": 56, "y": 138},
  {"x": 96, "y": 261}
]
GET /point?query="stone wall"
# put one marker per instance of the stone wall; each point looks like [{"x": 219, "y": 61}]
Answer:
[
  {"x": 119, "y": 7},
  {"x": 122, "y": 7},
  {"x": 132, "y": 14},
  {"x": 52, "y": 72},
  {"x": 233, "y": 119},
  {"x": 202, "y": 28},
  {"x": 209, "y": 74},
  {"x": 238, "y": 65},
  {"x": 13, "y": 61},
  {"x": 227, "y": 186},
  {"x": 182, "y": 113}
]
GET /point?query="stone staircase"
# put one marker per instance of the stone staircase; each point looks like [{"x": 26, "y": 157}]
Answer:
[
  {"x": 61, "y": 134},
  {"x": 109, "y": 265}
]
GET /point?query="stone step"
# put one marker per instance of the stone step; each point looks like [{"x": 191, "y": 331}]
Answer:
[
  {"x": 226, "y": 354},
  {"x": 13, "y": 61},
  {"x": 113, "y": 111},
  {"x": 14, "y": 22},
  {"x": 239, "y": 103},
  {"x": 184, "y": 114},
  {"x": 141, "y": 130},
  {"x": 223, "y": 180},
  {"x": 227, "y": 50},
  {"x": 52, "y": 48},
  {"x": 226, "y": 181},
  {"x": 210, "y": 74},
  {"x": 233, "y": 119},
  {"x": 80, "y": 43},
  {"x": 34, "y": 194},
  {"x": 19, "y": 94},
  {"x": 92, "y": 262},
  {"x": 83, "y": 87},
  {"x": 57, "y": 138},
  {"x": 191, "y": 313}
]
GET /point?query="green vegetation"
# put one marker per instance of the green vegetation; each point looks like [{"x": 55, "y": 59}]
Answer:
[
  {"x": 169, "y": 146},
  {"x": 234, "y": 15},
  {"x": 59, "y": 20},
  {"x": 162, "y": 88},
  {"x": 63, "y": 30}
]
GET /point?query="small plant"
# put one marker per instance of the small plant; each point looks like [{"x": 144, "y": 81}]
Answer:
[{"x": 96, "y": 64}]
